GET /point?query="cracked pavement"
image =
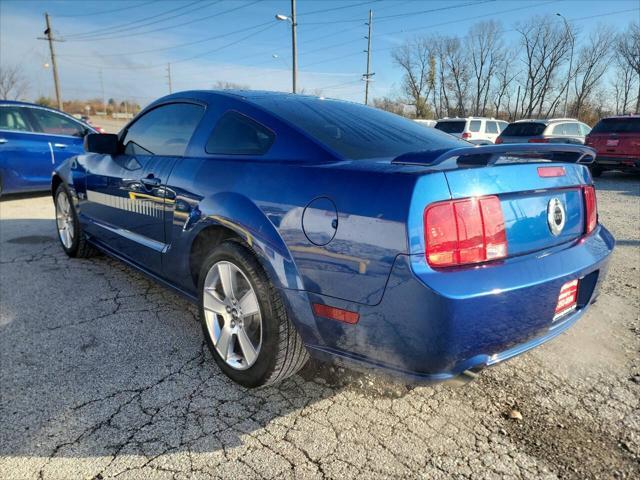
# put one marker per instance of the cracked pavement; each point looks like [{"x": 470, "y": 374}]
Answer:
[{"x": 104, "y": 374}]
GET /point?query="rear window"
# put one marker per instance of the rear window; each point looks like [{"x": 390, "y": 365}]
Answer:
[
  {"x": 451, "y": 127},
  {"x": 525, "y": 129},
  {"x": 355, "y": 131},
  {"x": 617, "y": 125}
]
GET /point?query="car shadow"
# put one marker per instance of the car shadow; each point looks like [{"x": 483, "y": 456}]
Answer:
[
  {"x": 98, "y": 360},
  {"x": 625, "y": 183}
]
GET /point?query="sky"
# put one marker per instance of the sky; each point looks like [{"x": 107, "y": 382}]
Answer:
[{"x": 124, "y": 46}]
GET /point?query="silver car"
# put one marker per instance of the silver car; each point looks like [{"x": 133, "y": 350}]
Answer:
[{"x": 555, "y": 130}]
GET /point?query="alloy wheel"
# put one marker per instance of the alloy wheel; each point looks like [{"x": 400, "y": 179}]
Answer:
[
  {"x": 232, "y": 314},
  {"x": 64, "y": 219}
]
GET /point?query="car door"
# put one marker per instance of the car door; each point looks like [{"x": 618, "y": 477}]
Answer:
[
  {"x": 63, "y": 135},
  {"x": 26, "y": 157},
  {"x": 126, "y": 194}
]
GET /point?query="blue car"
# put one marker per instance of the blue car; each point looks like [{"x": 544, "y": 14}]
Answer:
[
  {"x": 304, "y": 226},
  {"x": 34, "y": 140}
]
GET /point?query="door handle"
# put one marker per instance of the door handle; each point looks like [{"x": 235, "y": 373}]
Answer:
[
  {"x": 150, "y": 181},
  {"x": 3, "y": 141},
  {"x": 59, "y": 145}
]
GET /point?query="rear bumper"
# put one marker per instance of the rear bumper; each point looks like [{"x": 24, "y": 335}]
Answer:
[
  {"x": 432, "y": 326},
  {"x": 618, "y": 163}
]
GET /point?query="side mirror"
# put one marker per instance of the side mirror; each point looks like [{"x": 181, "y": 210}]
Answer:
[{"x": 105, "y": 143}]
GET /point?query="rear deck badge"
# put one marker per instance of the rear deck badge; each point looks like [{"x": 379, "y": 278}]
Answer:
[{"x": 555, "y": 216}]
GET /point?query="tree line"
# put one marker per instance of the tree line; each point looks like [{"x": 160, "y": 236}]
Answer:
[{"x": 552, "y": 70}]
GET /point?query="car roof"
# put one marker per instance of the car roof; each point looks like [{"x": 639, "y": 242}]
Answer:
[
  {"x": 547, "y": 121},
  {"x": 622, "y": 117}
]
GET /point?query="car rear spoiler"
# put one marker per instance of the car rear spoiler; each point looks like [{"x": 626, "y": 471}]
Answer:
[{"x": 485, "y": 155}]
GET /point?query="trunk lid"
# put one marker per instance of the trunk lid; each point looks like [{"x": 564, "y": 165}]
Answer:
[{"x": 526, "y": 199}]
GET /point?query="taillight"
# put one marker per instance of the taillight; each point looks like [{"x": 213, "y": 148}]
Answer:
[
  {"x": 538, "y": 140},
  {"x": 466, "y": 135},
  {"x": 462, "y": 232},
  {"x": 591, "y": 208},
  {"x": 588, "y": 140},
  {"x": 499, "y": 140}
]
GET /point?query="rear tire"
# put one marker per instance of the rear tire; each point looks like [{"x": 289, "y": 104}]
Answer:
[
  {"x": 72, "y": 238},
  {"x": 276, "y": 351}
]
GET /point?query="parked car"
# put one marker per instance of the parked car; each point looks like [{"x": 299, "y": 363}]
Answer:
[
  {"x": 425, "y": 122},
  {"x": 554, "y": 130},
  {"x": 478, "y": 130},
  {"x": 617, "y": 141},
  {"x": 308, "y": 226},
  {"x": 34, "y": 140}
]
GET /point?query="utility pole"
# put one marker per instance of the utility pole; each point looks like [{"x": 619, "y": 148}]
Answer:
[
  {"x": 367, "y": 76},
  {"x": 573, "y": 42},
  {"x": 104, "y": 104},
  {"x": 49, "y": 36},
  {"x": 169, "y": 76},
  {"x": 294, "y": 47}
]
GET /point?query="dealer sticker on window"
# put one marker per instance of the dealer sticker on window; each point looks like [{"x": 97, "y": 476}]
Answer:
[{"x": 567, "y": 300}]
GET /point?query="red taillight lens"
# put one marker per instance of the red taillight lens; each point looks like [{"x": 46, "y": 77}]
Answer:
[
  {"x": 499, "y": 140},
  {"x": 538, "y": 140},
  {"x": 591, "y": 208},
  {"x": 466, "y": 135},
  {"x": 462, "y": 232}
]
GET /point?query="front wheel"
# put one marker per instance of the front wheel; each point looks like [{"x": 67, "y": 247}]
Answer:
[
  {"x": 70, "y": 233},
  {"x": 244, "y": 320}
]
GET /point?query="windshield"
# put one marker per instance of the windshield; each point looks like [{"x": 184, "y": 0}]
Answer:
[
  {"x": 451, "y": 127},
  {"x": 617, "y": 125},
  {"x": 355, "y": 131},
  {"x": 525, "y": 129}
]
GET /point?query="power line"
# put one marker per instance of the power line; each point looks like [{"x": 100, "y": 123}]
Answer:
[
  {"x": 165, "y": 28},
  {"x": 118, "y": 27},
  {"x": 152, "y": 50},
  {"x": 343, "y": 7},
  {"x": 267, "y": 25},
  {"x": 105, "y": 11}
]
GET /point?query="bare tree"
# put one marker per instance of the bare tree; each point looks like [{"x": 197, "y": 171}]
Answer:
[
  {"x": 592, "y": 64},
  {"x": 389, "y": 104},
  {"x": 414, "y": 58},
  {"x": 13, "y": 85},
  {"x": 545, "y": 46},
  {"x": 456, "y": 72},
  {"x": 487, "y": 54},
  {"x": 623, "y": 82},
  {"x": 628, "y": 46},
  {"x": 504, "y": 78},
  {"x": 223, "y": 85}
]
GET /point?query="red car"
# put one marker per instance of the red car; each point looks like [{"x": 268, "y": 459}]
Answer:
[{"x": 617, "y": 142}]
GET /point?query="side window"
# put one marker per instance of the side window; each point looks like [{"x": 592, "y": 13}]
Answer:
[
  {"x": 585, "y": 129},
  {"x": 572, "y": 129},
  {"x": 237, "y": 134},
  {"x": 559, "y": 129},
  {"x": 492, "y": 127},
  {"x": 502, "y": 126},
  {"x": 165, "y": 130},
  {"x": 474, "y": 125},
  {"x": 12, "y": 118},
  {"x": 55, "y": 124}
]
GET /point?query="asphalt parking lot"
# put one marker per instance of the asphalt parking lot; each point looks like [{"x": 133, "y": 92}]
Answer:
[{"x": 105, "y": 374}]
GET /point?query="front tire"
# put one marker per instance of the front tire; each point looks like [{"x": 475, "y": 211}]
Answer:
[
  {"x": 70, "y": 233},
  {"x": 244, "y": 320}
]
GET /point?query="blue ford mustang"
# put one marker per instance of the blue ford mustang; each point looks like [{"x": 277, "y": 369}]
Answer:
[
  {"x": 34, "y": 140},
  {"x": 306, "y": 226}
]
